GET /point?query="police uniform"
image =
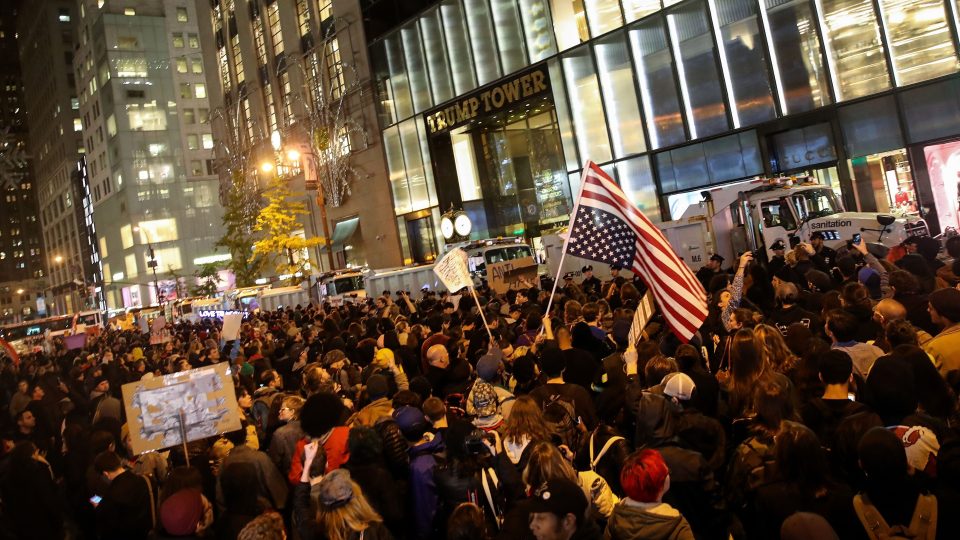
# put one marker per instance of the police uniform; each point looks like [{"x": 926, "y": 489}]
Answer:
[
  {"x": 590, "y": 285},
  {"x": 777, "y": 261}
]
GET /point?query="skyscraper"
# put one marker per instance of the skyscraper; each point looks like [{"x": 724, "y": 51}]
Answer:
[
  {"x": 146, "y": 134},
  {"x": 21, "y": 250}
]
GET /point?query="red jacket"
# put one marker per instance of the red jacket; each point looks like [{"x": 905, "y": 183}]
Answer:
[{"x": 335, "y": 448}]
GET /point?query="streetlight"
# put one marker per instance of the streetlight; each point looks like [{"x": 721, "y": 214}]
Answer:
[
  {"x": 58, "y": 259},
  {"x": 152, "y": 263}
]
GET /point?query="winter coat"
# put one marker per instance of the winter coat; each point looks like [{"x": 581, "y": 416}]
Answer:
[
  {"x": 384, "y": 493},
  {"x": 269, "y": 480},
  {"x": 637, "y": 521},
  {"x": 283, "y": 444},
  {"x": 394, "y": 448},
  {"x": 423, "y": 488},
  {"x": 369, "y": 415}
]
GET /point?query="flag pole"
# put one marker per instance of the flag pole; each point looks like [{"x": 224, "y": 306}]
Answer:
[{"x": 563, "y": 254}]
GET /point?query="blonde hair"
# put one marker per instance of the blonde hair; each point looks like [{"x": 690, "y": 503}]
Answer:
[
  {"x": 775, "y": 350},
  {"x": 355, "y": 516}
]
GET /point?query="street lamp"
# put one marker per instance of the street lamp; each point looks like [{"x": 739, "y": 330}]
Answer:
[
  {"x": 58, "y": 259},
  {"x": 152, "y": 263}
]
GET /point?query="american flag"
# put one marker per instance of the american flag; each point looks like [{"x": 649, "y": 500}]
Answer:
[{"x": 607, "y": 228}]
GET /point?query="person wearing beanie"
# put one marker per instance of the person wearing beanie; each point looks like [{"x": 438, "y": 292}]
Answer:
[
  {"x": 643, "y": 514},
  {"x": 944, "y": 311}
]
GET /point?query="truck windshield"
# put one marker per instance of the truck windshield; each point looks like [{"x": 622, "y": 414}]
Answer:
[
  {"x": 814, "y": 203},
  {"x": 345, "y": 285}
]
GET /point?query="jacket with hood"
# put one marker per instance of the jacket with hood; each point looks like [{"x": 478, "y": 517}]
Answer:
[
  {"x": 423, "y": 487},
  {"x": 632, "y": 520}
]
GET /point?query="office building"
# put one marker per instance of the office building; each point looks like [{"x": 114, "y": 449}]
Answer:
[
  {"x": 46, "y": 35},
  {"x": 296, "y": 73},
  {"x": 494, "y": 107},
  {"x": 22, "y": 279},
  {"x": 146, "y": 135}
]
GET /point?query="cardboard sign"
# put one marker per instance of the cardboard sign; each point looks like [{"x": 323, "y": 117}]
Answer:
[
  {"x": 159, "y": 333},
  {"x": 641, "y": 317},
  {"x": 204, "y": 398},
  {"x": 452, "y": 270},
  {"x": 503, "y": 276}
]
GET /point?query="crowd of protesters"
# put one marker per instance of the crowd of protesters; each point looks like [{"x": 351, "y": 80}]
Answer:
[{"x": 818, "y": 400}]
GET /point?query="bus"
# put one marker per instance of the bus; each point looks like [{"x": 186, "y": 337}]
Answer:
[{"x": 24, "y": 336}]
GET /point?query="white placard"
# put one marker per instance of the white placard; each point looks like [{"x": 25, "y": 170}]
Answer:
[
  {"x": 231, "y": 326},
  {"x": 452, "y": 270}
]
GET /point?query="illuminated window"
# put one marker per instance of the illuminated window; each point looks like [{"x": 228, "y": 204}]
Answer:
[
  {"x": 193, "y": 141},
  {"x": 569, "y": 22},
  {"x": 248, "y": 117},
  {"x": 200, "y": 91},
  {"x": 854, "y": 49},
  {"x": 335, "y": 69},
  {"x": 77, "y": 124},
  {"x": 918, "y": 34},
  {"x": 224, "y": 68},
  {"x": 273, "y": 19},
  {"x": 181, "y": 65},
  {"x": 182, "y": 14},
  {"x": 196, "y": 66},
  {"x": 259, "y": 40},
  {"x": 130, "y": 12},
  {"x": 167, "y": 259},
  {"x": 217, "y": 18},
  {"x": 189, "y": 116},
  {"x": 146, "y": 117},
  {"x": 126, "y": 236},
  {"x": 130, "y": 263},
  {"x": 303, "y": 16},
  {"x": 237, "y": 58},
  {"x": 271, "y": 107},
  {"x": 325, "y": 9},
  {"x": 158, "y": 230},
  {"x": 285, "y": 95},
  {"x": 207, "y": 141},
  {"x": 194, "y": 41},
  {"x": 178, "y": 41}
]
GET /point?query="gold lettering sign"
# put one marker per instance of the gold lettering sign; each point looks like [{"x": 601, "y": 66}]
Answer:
[{"x": 488, "y": 100}]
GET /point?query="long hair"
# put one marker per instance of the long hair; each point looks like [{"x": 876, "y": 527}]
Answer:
[
  {"x": 545, "y": 464},
  {"x": 355, "y": 516},
  {"x": 747, "y": 361},
  {"x": 526, "y": 420},
  {"x": 775, "y": 351}
]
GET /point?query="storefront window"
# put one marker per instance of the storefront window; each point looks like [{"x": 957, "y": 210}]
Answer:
[
  {"x": 398, "y": 81},
  {"x": 416, "y": 69},
  {"x": 637, "y": 9},
  {"x": 870, "y": 127},
  {"x": 619, "y": 96},
  {"x": 398, "y": 174},
  {"x": 884, "y": 183},
  {"x": 569, "y": 23},
  {"x": 636, "y": 180},
  {"x": 586, "y": 106},
  {"x": 795, "y": 50},
  {"x": 482, "y": 40},
  {"x": 563, "y": 115},
  {"x": 921, "y": 46},
  {"x": 604, "y": 16},
  {"x": 537, "y": 29},
  {"x": 943, "y": 166},
  {"x": 931, "y": 111},
  {"x": 747, "y": 77},
  {"x": 697, "y": 68},
  {"x": 658, "y": 89},
  {"x": 439, "y": 68},
  {"x": 506, "y": 20},
  {"x": 854, "y": 48},
  {"x": 461, "y": 62}
]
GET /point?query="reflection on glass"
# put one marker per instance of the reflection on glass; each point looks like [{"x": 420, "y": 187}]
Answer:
[
  {"x": 537, "y": 29},
  {"x": 455, "y": 32},
  {"x": 658, "y": 90},
  {"x": 699, "y": 81},
  {"x": 795, "y": 51},
  {"x": 636, "y": 180},
  {"x": 741, "y": 47},
  {"x": 563, "y": 115},
  {"x": 870, "y": 127},
  {"x": 506, "y": 20},
  {"x": 398, "y": 175},
  {"x": 604, "y": 15},
  {"x": 484, "y": 45},
  {"x": 416, "y": 175},
  {"x": 854, "y": 49},
  {"x": 591, "y": 129},
  {"x": 437, "y": 64},
  {"x": 413, "y": 54},
  {"x": 619, "y": 96},
  {"x": 398, "y": 77},
  {"x": 921, "y": 46},
  {"x": 637, "y": 9},
  {"x": 427, "y": 163},
  {"x": 569, "y": 23}
]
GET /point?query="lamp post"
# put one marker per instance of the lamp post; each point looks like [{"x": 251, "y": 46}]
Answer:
[{"x": 152, "y": 263}]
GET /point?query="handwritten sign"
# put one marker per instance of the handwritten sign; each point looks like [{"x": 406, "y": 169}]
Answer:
[
  {"x": 452, "y": 270},
  {"x": 231, "y": 326},
  {"x": 503, "y": 276}
]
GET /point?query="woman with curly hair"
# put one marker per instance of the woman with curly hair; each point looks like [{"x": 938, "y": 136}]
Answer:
[{"x": 775, "y": 350}]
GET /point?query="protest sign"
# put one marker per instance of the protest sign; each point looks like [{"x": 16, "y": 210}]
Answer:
[
  {"x": 452, "y": 270},
  {"x": 231, "y": 326},
  {"x": 503, "y": 276},
  {"x": 199, "y": 403},
  {"x": 159, "y": 333}
]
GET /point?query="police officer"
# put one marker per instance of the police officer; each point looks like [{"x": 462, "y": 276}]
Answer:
[
  {"x": 590, "y": 284},
  {"x": 567, "y": 283},
  {"x": 706, "y": 272},
  {"x": 822, "y": 256},
  {"x": 778, "y": 260}
]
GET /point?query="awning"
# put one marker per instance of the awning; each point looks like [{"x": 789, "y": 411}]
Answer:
[{"x": 342, "y": 232}]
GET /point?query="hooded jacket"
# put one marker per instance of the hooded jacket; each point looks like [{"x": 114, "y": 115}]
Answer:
[
  {"x": 423, "y": 487},
  {"x": 631, "y": 520}
]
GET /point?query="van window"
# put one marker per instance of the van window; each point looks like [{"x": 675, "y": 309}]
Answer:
[{"x": 777, "y": 214}]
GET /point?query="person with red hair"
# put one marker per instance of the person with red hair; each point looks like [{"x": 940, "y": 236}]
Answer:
[{"x": 643, "y": 514}]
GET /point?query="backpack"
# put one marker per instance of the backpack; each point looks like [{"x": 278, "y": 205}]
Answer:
[
  {"x": 561, "y": 418},
  {"x": 923, "y": 524},
  {"x": 266, "y": 410}
]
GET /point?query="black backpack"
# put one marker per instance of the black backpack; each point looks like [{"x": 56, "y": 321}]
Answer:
[{"x": 561, "y": 418}]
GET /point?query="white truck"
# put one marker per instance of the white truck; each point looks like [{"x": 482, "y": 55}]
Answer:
[
  {"x": 342, "y": 286},
  {"x": 732, "y": 220}
]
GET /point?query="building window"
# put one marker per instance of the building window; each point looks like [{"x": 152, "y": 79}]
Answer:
[
  {"x": 237, "y": 58},
  {"x": 921, "y": 45},
  {"x": 207, "y": 141},
  {"x": 64, "y": 15},
  {"x": 217, "y": 18},
  {"x": 182, "y": 14},
  {"x": 335, "y": 69},
  {"x": 178, "y": 41},
  {"x": 196, "y": 66},
  {"x": 194, "y": 41},
  {"x": 196, "y": 167},
  {"x": 185, "y": 91},
  {"x": 285, "y": 96},
  {"x": 130, "y": 12},
  {"x": 569, "y": 23},
  {"x": 658, "y": 88},
  {"x": 193, "y": 141},
  {"x": 303, "y": 16},
  {"x": 224, "y": 68},
  {"x": 325, "y": 9},
  {"x": 128, "y": 43},
  {"x": 584, "y": 95},
  {"x": 203, "y": 115},
  {"x": 745, "y": 64},
  {"x": 854, "y": 49},
  {"x": 276, "y": 36},
  {"x": 259, "y": 40},
  {"x": 181, "y": 65},
  {"x": 189, "y": 116},
  {"x": 248, "y": 118},
  {"x": 795, "y": 48},
  {"x": 619, "y": 96},
  {"x": 271, "y": 107},
  {"x": 200, "y": 90}
]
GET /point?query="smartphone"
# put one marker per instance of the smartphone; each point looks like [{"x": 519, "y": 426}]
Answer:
[
  {"x": 857, "y": 238},
  {"x": 96, "y": 499}
]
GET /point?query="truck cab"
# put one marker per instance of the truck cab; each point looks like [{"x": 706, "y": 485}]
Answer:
[{"x": 342, "y": 286}]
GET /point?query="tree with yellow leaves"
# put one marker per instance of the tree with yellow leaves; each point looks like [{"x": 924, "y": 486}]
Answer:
[{"x": 279, "y": 244}]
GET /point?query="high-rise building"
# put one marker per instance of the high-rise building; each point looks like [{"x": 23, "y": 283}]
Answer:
[
  {"x": 46, "y": 36},
  {"x": 21, "y": 250},
  {"x": 295, "y": 74},
  {"x": 145, "y": 122},
  {"x": 497, "y": 106}
]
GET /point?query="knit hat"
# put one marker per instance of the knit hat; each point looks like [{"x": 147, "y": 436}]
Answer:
[
  {"x": 485, "y": 400},
  {"x": 947, "y": 303},
  {"x": 377, "y": 387},
  {"x": 411, "y": 421},
  {"x": 336, "y": 489},
  {"x": 679, "y": 386},
  {"x": 181, "y": 512},
  {"x": 489, "y": 366},
  {"x": 383, "y": 357}
]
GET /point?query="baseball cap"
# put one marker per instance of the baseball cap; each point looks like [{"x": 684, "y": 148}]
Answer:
[
  {"x": 568, "y": 275},
  {"x": 778, "y": 245},
  {"x": 488, "y": 367},
  {"x": 411, "y": 421},
  {"x": 587, "y": 268},
  {"x": 716, "y": 257},
  {"x": 485, "y": 400},
  {"x": 336, "y": 489},
  {"x": 560, "y": 497},
  {"x": 679, "y": 386}
]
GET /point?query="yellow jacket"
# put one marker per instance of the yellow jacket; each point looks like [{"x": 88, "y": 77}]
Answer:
[{"x": 945, "y": 349}]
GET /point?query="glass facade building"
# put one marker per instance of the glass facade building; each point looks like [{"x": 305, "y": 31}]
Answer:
[{"x": 669, "y": 98}]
